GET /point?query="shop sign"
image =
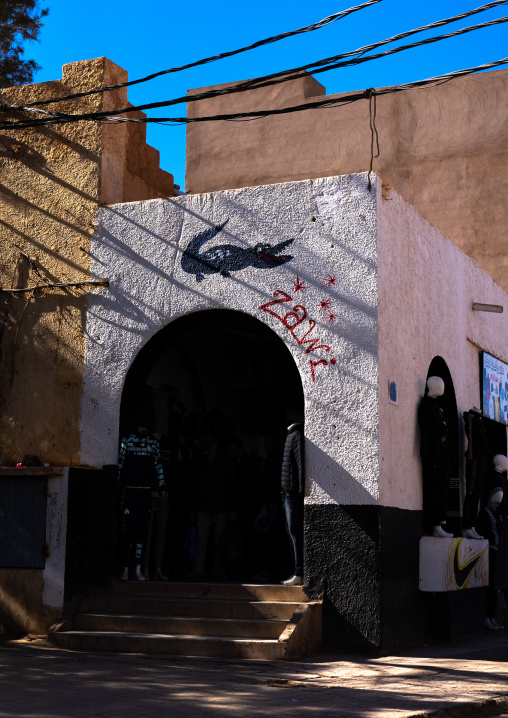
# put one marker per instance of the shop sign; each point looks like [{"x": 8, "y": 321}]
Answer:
[
  {"x": 494, "y": 378},
  {"x": 453, "y": 564}
]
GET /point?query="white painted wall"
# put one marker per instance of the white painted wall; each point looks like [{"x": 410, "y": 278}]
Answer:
[
  {"x": 53, "y": 574},
  {"x": 333, "y": 221},
  {"x": 426, "y": 289}
]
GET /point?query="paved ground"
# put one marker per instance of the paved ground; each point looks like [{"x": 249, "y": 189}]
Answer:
[{"x": 467, "y": 679}]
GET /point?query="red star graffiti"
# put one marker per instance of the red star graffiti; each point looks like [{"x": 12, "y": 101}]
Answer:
[
  {"x": 330, "y": 280},
  {"x": 330, "y": 317},
  {"x": 324, "y": 304},
  {"x": 299, "y": 285}
]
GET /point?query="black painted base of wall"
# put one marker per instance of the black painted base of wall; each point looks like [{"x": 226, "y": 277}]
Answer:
[
  {"x": 456, "y": 615},
  {"x": 364, "y": 562},
  {"x": 92, "y": 530}
]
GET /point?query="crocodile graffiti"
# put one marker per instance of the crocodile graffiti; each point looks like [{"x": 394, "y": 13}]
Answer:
[{"x": 227, "y": 258}]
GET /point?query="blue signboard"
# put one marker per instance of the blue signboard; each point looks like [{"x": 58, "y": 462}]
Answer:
[{"x": 494, "y": 388}]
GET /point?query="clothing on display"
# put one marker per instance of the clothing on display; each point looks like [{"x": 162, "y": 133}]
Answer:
[
  {"x": 293, "y": 489},
  {"x": 434, "y": 453},
  {"x": 476, "y": 464}
]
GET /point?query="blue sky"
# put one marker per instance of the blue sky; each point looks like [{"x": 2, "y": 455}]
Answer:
[{"x": 144, "y": 37}]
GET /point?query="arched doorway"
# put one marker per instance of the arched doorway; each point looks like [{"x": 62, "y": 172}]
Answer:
[
  {"x": 226, "y": 373},
  {"x": 448, "y": 403}
]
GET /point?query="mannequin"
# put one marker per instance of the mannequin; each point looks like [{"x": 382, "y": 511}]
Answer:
[
  {"x": 434, "y": 453},
  {"x": 139, "y": 473},
  {"x": 476, "y": 469},
  {"x": 490, "y": 522},
  {"x": 496, "y": 476},
  {"x": 293, "y": 489}
]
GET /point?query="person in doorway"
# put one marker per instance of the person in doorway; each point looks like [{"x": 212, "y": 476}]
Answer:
[
  {"x": 293, "y": 489},
  {"x": 214, "y": 503},
  {"x": 272, "y": 554},
  {"x": 156, "y": 533},
  {"x": 139, "y": 473},
  {"x": 248, "y": 498}
]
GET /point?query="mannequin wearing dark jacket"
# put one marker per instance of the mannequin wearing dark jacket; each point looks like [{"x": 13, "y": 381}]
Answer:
[
  {"x": 476, "y": 466},
  {"x": 293, "y": 489},
  {"x": 435, "y": 461}
]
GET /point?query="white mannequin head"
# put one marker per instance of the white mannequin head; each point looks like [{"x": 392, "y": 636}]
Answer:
[
  {"x": 500, "y": 462},
  {"x": 435, "y": 385},
  {"x": 496, "y": 498}
]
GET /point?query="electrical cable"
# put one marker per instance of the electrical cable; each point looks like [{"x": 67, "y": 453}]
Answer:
[
  {"x": 267, "y": 80},
  {"x": 308, "y": 28},
  {"x": 328, "y": 102},
  {"x": 58, "y": 118}
]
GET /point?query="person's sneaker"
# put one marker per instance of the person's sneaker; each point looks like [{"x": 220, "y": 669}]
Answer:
[{"x": 293, "y": 581}]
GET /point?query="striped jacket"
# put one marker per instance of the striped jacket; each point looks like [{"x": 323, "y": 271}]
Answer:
[{"x": 139, "y": 463}]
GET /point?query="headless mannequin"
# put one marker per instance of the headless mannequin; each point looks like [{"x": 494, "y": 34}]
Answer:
[
  {"x": 292, "y": 486},
  {"x": 476, "y": 469},
  {"x": 491, "y": 522},
  {"x": 434, "y": 453},
  {"x": 139, "y": 473}
]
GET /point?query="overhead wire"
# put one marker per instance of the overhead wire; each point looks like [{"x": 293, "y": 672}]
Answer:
[
  {"x": 316, "y": 104},
  {"x": 275, "y": 78},
  {"x": 275, "y": 38},
  {"x": 322, "y": 23},
  {"x": 329, "y": 101}
]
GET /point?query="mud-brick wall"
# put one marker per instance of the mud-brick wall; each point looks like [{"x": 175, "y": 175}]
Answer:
[{"x": 51, "y": 181}]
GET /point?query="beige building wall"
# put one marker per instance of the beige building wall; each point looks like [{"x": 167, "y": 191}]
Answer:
[
  {"x": 427, "y": 288},
  {"x": 443, "y": 148},
  {"x": 51, "y": 181}
]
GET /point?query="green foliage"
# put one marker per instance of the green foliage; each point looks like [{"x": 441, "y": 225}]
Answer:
[{"x": 20, "y": 20}]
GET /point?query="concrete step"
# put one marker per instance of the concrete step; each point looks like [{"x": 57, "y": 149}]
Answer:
[
  {"x": 201, "y": 608},
  {"x": 177, "y": 645},
  {"x": 255, "y": 628},
  {"x": 223, "y": 620},
  {"x": 229, "y": 591}
]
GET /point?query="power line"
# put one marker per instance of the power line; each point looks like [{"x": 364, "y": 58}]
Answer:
[
  {"x": 276, "y": 78},
  {"x": 308, "y": 28},
  {"x": 328, "y": 102}
]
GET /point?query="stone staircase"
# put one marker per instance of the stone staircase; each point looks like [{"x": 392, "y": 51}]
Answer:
[{"x": 194, "y": 619}]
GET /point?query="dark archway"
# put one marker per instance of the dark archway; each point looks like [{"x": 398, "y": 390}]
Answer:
[
  {"x": 213, "y": 362},
  {"x": 448, "y": 403},
  {"x": 218, "y": 371}
]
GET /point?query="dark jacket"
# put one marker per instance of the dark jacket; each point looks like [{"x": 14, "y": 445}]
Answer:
[
  {"x": 433, "y": 432},
  {"x": 293, "y": 462}
]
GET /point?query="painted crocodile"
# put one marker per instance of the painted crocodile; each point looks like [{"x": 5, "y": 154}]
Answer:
[{"x": 227, "y": 258}]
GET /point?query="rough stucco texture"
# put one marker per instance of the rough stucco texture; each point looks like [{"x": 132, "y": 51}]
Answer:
[
  {"x": 426, "y": 290},
  {"x": 443, "y": 148},
  {"x": 331, "y": 221},
  {"x": 52, "y": 179},
  {"x": 49, "y": 191}
]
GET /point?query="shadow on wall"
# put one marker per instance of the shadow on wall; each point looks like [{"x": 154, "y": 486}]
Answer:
[
  {"x": 367, "y": 576},
  {"x": 329, "y": 480}
]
